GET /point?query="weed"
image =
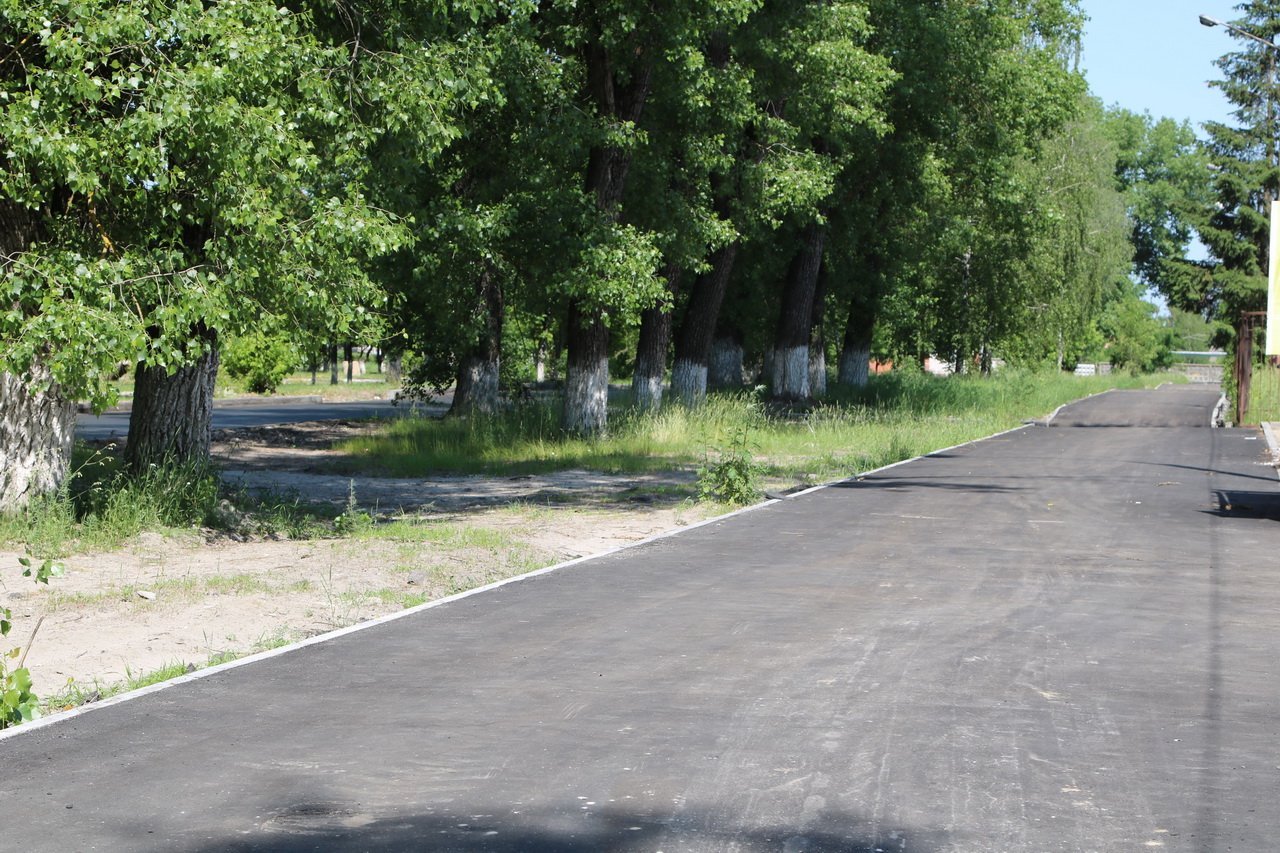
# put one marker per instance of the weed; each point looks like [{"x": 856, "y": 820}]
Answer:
[
  {"x": 353, "y": 519},
  {"x": 732, "y": 475},
  {"x": 18, "y": 701}
]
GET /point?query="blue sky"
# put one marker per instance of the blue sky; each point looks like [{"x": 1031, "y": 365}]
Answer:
[{"x": 1154, "y": 56}]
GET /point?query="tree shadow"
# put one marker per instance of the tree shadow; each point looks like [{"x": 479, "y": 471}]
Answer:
[
  {"x": 329, "y": 827},
  {"x": 906, "y": 484},
  {"x": 1268, "y": 479},
  {"x": 1264, "y": 506}
]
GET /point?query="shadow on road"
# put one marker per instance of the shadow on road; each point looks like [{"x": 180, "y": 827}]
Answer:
[
  {"x": 901, "y": 484},
  {"x": 311, "y": 827},
  {"x": 1238, "y": 504}
]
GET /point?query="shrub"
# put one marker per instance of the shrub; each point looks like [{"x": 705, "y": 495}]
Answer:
[
  {"x": 732, "y": 476},
  {"x": 262, "y": 360}
]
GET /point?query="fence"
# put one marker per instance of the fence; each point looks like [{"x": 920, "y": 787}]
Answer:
[{"x": 1257, "y": 382}]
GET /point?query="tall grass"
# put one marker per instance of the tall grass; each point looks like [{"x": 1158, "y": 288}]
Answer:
[
  {"x": 104, "y": 505},
  {"x": 895, "y": 417},
  {"x": 1264, "y": 395}
]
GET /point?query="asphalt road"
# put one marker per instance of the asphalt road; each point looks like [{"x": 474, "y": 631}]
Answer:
[
  {"x": 237, "y": 413},
  {"x": 1061, "y": 639}
]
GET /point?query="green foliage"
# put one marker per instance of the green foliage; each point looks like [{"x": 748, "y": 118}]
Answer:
[
  {"x": 1161, "y": 169},
  {"x": 18, "y": 701},
  {"x": 1233, "y": 219},
  {"x": 1136, "y": 340},
  {"x": 1264, "y": 394},
  {"x": 1190, "y": 331},
  {"x": 1079, "y": 248},
  {"x": 168, "y": 192},
  {"x": 730, "y": 474},
  {"x": 122, "y": 505},
  {"x": 262, "y": 360}
]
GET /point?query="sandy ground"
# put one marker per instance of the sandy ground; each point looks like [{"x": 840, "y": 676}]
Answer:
[{"x": 194, "y": 597}]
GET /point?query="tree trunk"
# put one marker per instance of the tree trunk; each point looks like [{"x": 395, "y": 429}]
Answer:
[
  {"x": 855, "y": 352},
  {"x": 817, "y": 341},
  {"x": 476, "y": 391},
  {"x": 37, "y": 430},
  {"x": 586, "y": 389},
  {"x": 587, "y": 338},
  {"x": 790, "y": 373},
  {"x": 725, "y": 367},
  {"x": 37, "y": 423},
  {"x": 349, "y": 356},
  {"x": 855, "y": 365},
  {"x": 651, "y": 350},
  {"x": 698, "y": 328},
  {"x": 333, "y": 362},
  {"x": 172, "y": 417}
]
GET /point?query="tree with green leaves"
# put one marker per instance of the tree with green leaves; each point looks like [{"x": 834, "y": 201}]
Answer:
[
  {"x": 1081, "y": 245},
  {"x": 1244, "y": 159},
  {"x": 173, "y": 171}
]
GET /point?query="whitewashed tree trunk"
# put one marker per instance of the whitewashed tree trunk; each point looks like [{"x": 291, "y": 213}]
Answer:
[
  {"x": 37, "y": 430},
  {"x": 586, "y": 384},
  {"x": 818, "y": 371},
  {"x": 791, "y": 374},
  {"x": 724, "y": 369},
  {"x": 855, "y": 366},
  {"x": 647, "y": 391},
  {"x": 689, "y": 382},
  {"x": 479, "y": 370},
  {"x": 586, "y": 399},
  {"x": 652, "y": 347},
  {"x": 476, "y": 389}
]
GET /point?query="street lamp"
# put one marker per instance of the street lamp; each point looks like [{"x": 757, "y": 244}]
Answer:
[{"x": 1273, "y": 253}]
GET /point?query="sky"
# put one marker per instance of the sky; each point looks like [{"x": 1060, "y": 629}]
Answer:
[{"x": 1154, "y": 56}]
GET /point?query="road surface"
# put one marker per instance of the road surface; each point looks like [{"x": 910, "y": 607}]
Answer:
[
  {"x": 1060, "y": 639},
  {"x": 238, "y": 413}
]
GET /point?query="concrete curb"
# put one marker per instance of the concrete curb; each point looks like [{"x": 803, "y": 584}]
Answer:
[{"x": 1272, "y": 432}]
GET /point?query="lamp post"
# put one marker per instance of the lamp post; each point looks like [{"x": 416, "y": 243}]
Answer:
[{"x": 1273, "y": 251}]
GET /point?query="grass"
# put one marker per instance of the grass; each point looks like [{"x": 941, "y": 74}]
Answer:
[
  {"x": 1264, "y": 395},
  {"x": 101, "y": 507},
  {"x": 895, "y": 417}
]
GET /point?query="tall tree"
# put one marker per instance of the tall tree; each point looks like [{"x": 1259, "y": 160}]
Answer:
[
  {"x": 618, "y": 47},
  {"x": 1234, "y": 224},
  {"x": 826, "y": 91}
]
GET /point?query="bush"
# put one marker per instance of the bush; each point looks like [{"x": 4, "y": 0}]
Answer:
[
  {"x": 732, "y": 476},
  {"x": 262, "y": 360}
]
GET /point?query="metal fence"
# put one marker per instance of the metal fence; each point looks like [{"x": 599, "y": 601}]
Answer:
[{"x": 1257, "y": 380}]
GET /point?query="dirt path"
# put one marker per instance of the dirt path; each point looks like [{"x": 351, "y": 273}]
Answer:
[{"x": 188, "y": 600}]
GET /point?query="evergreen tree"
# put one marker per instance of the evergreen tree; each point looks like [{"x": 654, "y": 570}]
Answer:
[{"x": 1245, "y": 163}]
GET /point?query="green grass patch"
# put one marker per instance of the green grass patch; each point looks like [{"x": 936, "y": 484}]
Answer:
[
  {"x": 102, "y": 506},
  {"x": 895, "y": 417},
  {"x": 444, "y": 533},
  {"x": 1264, "y": 395}
]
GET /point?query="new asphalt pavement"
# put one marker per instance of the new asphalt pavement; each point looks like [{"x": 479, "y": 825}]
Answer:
[{"x": 1063, "y": 638}]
